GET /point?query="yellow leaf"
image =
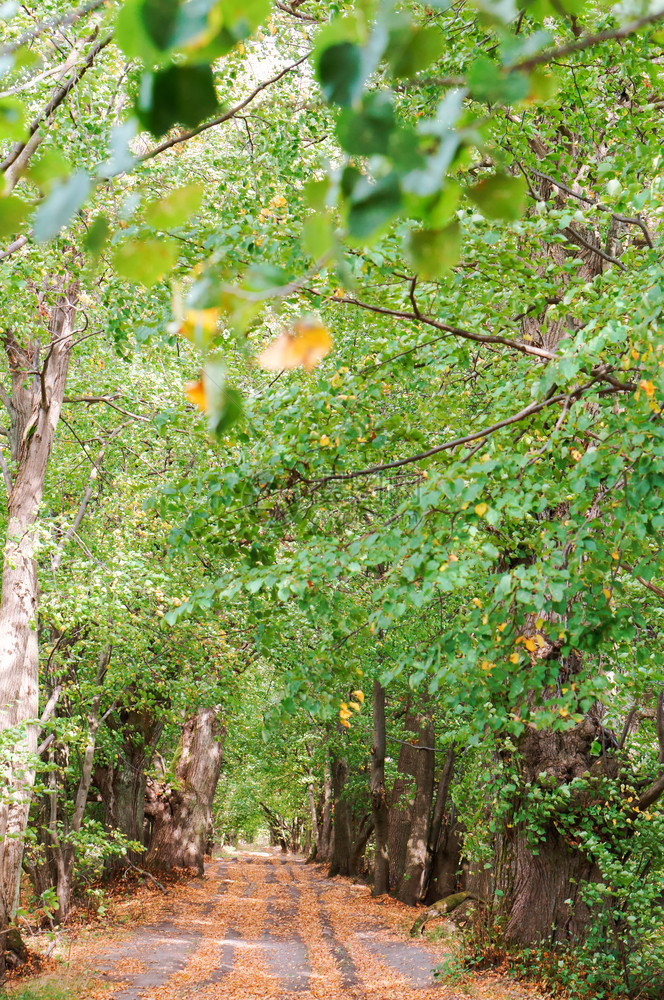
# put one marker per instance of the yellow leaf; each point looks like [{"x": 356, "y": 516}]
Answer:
[
  {"x": 481, "y": 509},
  {"x": 647, "y": 387},
  {"x": 355, "y": 706},
  {"x": 607, "y": 593},
  {"x": 530, "y": 645},
  {"x": 576, "y": 455},
  {"x": 199, "y": 320},
  {"x": 514, "y": 658},
  {"x": 540, "y": 641},
  {"x": 360, "y": 696},
  {"x": 477, "y": 602},
  {"x": 303, "y": 346},
  {"x": 196, "y": 393},
  {"x": 345, "y": 722},
  {"x": 615, "y": 554},
  {"x": 501, "y": 628},
  {"x": 325, "y": 441},
  {"x": 563, "y": 712}
]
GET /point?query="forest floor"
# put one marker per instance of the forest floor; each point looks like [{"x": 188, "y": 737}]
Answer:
[{"x": 259, "y": 926}]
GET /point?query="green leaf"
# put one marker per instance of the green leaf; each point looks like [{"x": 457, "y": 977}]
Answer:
[
  {"x": 12, "y": 120},
  {"x": 411, "y": 51},
  {"x": 63, "y": 202},
  {"x": 317, "y": 235},
  {"x": 432, "y": 252},
  {"x": 500, "y": 197},
  {"x": 145, "y": 262},
  {"x": 223, "y": 404},
  {"x": 367, "y": 131},
  {"x": 176, "y": 208},
  {"x": 497, "y": 10},
  {"x": 488, "y": 83},
  {"x": 159, "y": 18},
  {"x": 48, "y": 169},
  {"x": 177, "y": 95},
  {"x": 340, "y": 73},
  {"x": 373, "y": 205},
  {"x": 132, "y": 36},
  {"x": 97, "y": 237},
  {"x": 244, "y": 15},
  {"x": 12, "y": 213}
]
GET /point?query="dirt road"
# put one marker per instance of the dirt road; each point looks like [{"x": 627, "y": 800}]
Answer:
[{"x": 263, "y": 927}]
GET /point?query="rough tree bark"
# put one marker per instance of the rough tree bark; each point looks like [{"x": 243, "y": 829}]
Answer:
[
  {"x": 402, "y": 803},
  {"x": 410, "y": 888},
  {"x": 325, "y": 841},
  {"x": 34, "y": 406},
  {"x": 122, "y": 783},
  {"x": 379, "y": 807},
  {"x": 181, "y": 815},
  {"x": 437, "y": 818},
  {"x": 342, "y": 839}
]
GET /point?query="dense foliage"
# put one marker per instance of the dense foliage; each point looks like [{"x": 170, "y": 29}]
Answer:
[{"x": 334, "y": 377}]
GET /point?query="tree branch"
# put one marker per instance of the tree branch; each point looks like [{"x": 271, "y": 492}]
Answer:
[
  {"x": 50, "y": 26},
  {"x": 185, "y": 136},
  {"x": 451, "y": 445},
  {"x": 57, "y": 97},
  {"x": 580, "y": 44}
]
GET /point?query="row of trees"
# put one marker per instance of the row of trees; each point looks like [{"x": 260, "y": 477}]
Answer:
[{"x": 333, "y": 377}]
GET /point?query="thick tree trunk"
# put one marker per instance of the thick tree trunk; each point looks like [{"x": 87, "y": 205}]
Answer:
[
  {"x": 379, "y": 807},
  {"x": 122, "y": 784},
  {"x": 410, "y": 887},
  {"x": 537, "y": 887},
  {"x": 34, "y": 411},
  {"x": 182, "y": 815}
]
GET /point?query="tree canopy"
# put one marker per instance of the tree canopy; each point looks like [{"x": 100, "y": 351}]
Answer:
[{"x": 333, "y": 378}]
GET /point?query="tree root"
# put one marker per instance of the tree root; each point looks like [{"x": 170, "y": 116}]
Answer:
[{"x": 441, "y": 909}]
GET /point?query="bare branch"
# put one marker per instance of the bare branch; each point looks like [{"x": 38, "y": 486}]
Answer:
[
  {"x": 49, "y": 708},
  {"x": 13, "y": 247}
]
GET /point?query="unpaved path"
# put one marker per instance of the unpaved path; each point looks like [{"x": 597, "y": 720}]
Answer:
[{"x": 263, "y": 927}]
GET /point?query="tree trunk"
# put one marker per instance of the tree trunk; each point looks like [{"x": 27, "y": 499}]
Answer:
[
  {"x": 34, "y": 411},
  {"x": 122, "y": 784},
  {"x": 379, "y": 807},
  {"x": 66, "y": 852},
  {"x": 536, "y": 887},
  {"x": 315, "y": 825},
  {"x": 342, "y": 838},
  {"x": 437, "y": 818},
  {"x": 324, "y": 851},
  {"x": 402, "y": 803},
  {"x": 182, "y": 815},
  {"x": 410, "y": 887}
]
